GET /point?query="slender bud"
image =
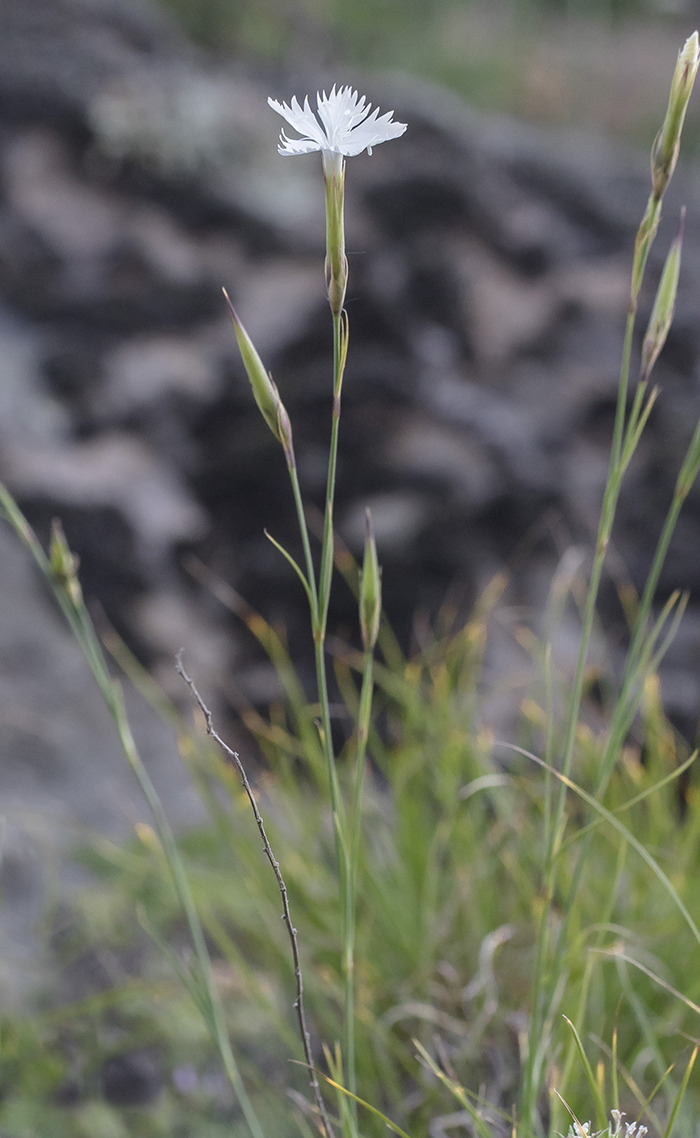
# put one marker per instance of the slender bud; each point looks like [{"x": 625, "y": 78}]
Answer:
[
  {"x": 336, "y": 261},
  {"x": 264, "y": 388},
  {"x": 64, "y": 563},
  {"x": 664, "y": 304},
  {"x": 664, "y": 153},
  {"x": 370, "y": 591}
]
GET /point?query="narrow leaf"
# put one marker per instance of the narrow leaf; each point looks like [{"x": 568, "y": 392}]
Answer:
[
  {"x": 681, "y": 1091},
  {"x": 292, "y": 562},
  {"x": 595, "y": 1090}
]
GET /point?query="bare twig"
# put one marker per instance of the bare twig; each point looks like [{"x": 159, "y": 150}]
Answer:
[{"x": 286, "y": 914}]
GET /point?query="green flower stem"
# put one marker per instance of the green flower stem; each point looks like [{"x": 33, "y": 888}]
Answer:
[
  {"x": 363, "y": 722},
  {"x": 346, "y": 846},
  {"x": 337, "y": 806},
  {"x": 645, "y": 238},
  {"x": 684, "y": 483},
  {"x": 325, "y": 578},
  {"x": 536, "y": 1057},
  {"x": 607, "y": 517},
  {"x": 626, "y": 702},
  {"x": 342, "y": 844},
  {"x": 304, "y": 531},
  {"x": 339, "y": 351},
  {"x": 319, "y": 603},
  {"x": 336, "y": 250},
  {"x": 623, "y": 446},
  {"x": 637, "y": 665}
]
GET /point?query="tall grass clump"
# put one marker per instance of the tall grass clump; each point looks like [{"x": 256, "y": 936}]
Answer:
[{"x": 500, "y": 936}]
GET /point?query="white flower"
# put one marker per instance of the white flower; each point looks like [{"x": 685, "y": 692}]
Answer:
[
  {"x": 616, "y": 1129},
  {"x": 346, "y": 127}
]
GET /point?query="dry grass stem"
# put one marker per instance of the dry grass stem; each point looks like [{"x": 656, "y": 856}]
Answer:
[{"x": 286, "y": 914}]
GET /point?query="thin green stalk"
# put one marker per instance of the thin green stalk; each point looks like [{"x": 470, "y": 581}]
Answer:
[
  {"x": 304, "y": 531},
  {"x": 618, "y": 429},
  {"x": 348, "y": 1108},
  {"x": 319, "y": 602},
  {"x": 605, "y": 920},
  {"x": 684, "y": 483},
  {"x": 363, "y": 721},
  {"x": 319, "y": 598},
  {"x": 639, "y": 667},
  {"x": 326, "y": 573},
  {"x": 610, "y": 497},
  {"x": 650, "y": 664},
  {"x": 681, "y": 1092},
  {"x": 342, "y": 840},
  {"x": 549, "y": 743},
  {"x": 607, "y": 517},
  {"x": 337, "y": 806},
  {"x": 339, "y": 352},
  {"x": 612, "y": 489},
  {"x": 641, "y": 659}
]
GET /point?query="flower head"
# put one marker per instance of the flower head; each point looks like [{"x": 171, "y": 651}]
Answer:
[
  {"x": 615, "y": 1129},
  {"x": 344, "y": 126}
]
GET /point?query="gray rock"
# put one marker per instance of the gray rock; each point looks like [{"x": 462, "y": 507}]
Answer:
[{"x": 487, "y": 298}]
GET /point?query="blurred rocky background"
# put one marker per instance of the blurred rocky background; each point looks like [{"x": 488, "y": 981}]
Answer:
[{"x": 489, "y": 262}]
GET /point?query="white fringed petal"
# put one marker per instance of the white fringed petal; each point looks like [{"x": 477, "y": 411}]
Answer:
[{"x": 344, "y": 125}]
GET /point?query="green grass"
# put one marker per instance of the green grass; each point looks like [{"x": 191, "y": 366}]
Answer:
[{"x": 450, "y": 893}]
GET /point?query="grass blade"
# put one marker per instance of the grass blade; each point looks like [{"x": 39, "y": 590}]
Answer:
[
  {"x": 595, "y": 1090},
  {"x": 681, "y": 1091}
]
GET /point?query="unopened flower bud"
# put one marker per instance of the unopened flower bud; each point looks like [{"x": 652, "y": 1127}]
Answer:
[
  {"x": 370, "y": 590},
  {"x": 664, "y": 304},
  {"x": 264, "y": 388},
  {"x": 64, "y": 563},
  {"x": 665, "y": 150}
]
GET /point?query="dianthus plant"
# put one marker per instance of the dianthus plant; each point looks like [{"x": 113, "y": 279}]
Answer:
[{"x": 343, "y": 126}]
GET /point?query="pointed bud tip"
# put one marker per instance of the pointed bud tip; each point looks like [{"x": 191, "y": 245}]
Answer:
[
  {"x": 232, "y": 310},
  {"x": 690, "y": 51}
]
